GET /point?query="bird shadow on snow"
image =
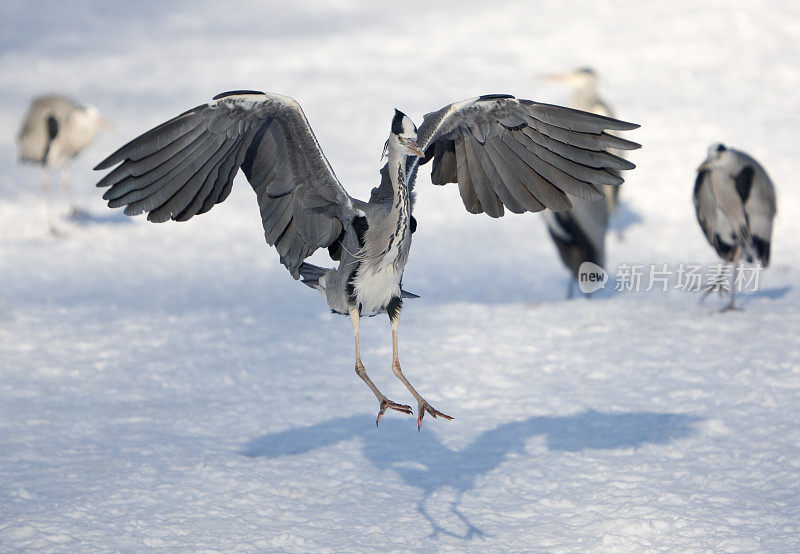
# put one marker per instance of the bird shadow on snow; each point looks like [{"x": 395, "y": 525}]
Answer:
[
  {"x": 425, "y": 463},
  {"x": 773, "y": 293}
]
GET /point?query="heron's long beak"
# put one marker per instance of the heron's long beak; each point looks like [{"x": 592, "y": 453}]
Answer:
[
  {"x": 412, "y": 144},
  {"x": 704, "y": 166}
]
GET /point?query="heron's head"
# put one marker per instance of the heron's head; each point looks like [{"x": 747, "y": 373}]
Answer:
[
  {"x": 403, "y": 138},
  {"x": 93, "y": 117},
  {"x": 715, "y": 156},
  {"x": 716, "y": 150}
]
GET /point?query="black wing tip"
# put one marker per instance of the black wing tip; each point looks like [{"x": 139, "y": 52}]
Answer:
[
  {"x": 236, "y": 93},
  {"x": 108, "y": 162},
  {"x": 495, "y": 96}
]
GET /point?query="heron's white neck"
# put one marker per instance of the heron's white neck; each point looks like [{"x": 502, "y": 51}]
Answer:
[
  {"x": 397, "y": 170},
  {"x": 401, "y": 207}
]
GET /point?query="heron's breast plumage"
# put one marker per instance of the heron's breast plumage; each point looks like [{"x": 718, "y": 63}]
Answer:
[{"x": 377, "y": 279}]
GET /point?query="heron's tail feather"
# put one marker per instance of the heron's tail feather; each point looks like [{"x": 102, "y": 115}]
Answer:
[{"x": 311, "y": 274}]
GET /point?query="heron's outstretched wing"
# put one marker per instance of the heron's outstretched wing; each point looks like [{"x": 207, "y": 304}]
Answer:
[
  {"x": 520, "y": 154},
  {"x": 184, "y": 166}
]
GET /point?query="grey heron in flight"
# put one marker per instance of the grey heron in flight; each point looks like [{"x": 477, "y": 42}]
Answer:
[
  {"x": 55, "y": 130},
  {"x": 502, "y": 152},
  {"x": 734, "y": 199}
]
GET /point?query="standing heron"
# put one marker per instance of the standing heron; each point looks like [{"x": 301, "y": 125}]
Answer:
[
  {"x": 734, "y": 199},
  {"x": 502, "y": 152},
  {"x": 54, "y": 131},
  {"x": 579, "y": 235}
]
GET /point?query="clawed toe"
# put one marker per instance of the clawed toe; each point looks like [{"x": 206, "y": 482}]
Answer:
[
  {"x": 425, "y": 407},
  {"x": 388, "y": 404}
]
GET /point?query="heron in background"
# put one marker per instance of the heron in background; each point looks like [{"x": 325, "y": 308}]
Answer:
[
  {"x": 580, "y": 233},
  {"x": 502, "y": 152},
  {"x": 734, "y": 199},
  {"x": 55, "y": 130}
]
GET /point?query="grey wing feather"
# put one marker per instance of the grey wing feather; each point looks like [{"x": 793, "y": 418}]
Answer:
[
  {"x": 761, "y": 205},
  {"x": 187, "y": 165},
  {"x": 522, "y": 155},
  {"x": 720, "y": 230},
  {"x": 705, "y": 206}
]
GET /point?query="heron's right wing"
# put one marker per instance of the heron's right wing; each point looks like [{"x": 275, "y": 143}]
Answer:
[
  {"x": 519, "y": 154},
  {"x": 184, "y": 166}
]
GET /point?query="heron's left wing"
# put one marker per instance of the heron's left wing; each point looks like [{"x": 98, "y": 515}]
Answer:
[
  {"x": 187, "y": 165},
  {"x": 519, "y": 154}
]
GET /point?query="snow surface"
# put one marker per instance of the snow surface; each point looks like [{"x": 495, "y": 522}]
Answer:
[{"x": 171, "y": 387}]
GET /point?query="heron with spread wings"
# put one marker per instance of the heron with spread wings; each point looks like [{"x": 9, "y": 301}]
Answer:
[{"x": 504, "y": 153}]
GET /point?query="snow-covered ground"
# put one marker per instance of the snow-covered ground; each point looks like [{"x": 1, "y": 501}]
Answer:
[{"x": 170, "y": 386}]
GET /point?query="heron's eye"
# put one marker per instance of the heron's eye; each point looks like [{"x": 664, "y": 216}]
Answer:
[{"x": 399, "y": 139}]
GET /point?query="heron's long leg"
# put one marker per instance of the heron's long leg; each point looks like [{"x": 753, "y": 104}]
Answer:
[
  {"x": 719, "y": 286},
  {"x": 73, "y": 208},
  {"x": 48, "y": 206},
  {"x": 734, "y": 278},
  {"x": 422, "y": 404},
  {"x": 361, "y": 371}
]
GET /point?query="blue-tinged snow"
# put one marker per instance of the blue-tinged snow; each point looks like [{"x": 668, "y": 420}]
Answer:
[{"x": 170, "y": 386}]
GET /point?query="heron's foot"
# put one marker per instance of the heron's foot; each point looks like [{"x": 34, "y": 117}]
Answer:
[
  {"x": 423, "y": 407},
  {"x": 719, "y": 288},
  {"x": 387, "y": 404},
  {"x": 730, "y": 308},
  {"x": 78, "y": 214}
]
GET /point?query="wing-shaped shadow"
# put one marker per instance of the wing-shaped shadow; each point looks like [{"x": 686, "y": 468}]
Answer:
[{"x": 425, "y": 463}]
